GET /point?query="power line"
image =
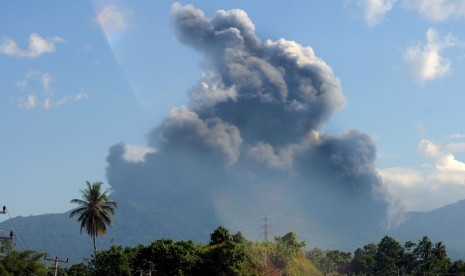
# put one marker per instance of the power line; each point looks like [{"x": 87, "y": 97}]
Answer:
[
  {"x": 11, "y": 232},
  {"x": 16, "y": 230},
  {"x": 25, "y": 268}
]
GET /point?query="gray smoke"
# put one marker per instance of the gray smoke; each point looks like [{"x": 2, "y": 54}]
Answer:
[
  {"x": 253, "y": 124},
  {"x": 294, "y": 89}
]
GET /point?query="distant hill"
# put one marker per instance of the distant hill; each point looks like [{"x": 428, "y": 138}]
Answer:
[
  {"x": 52, "y": 233},
  {"x": 133, "y": 224},
  {"x": 58, "y": 235},
  {"x": 446, "y": 224}
]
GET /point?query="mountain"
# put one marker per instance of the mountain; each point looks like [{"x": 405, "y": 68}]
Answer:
[
  {"x": 446, "y": 224},
  {"x": 58, "y": 235}
]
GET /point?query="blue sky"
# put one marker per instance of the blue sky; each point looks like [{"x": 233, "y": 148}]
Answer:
[{"x": 79, "y": 77}]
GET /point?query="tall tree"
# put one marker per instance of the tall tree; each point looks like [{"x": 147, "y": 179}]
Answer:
[
  {"x": 94, "y": 211},
  {"x": 364, "y": 260},
  {"x": 389, "y": 257}
]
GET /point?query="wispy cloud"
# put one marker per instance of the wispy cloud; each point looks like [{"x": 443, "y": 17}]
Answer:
[
  {"x": 457, "y": 136},
  {"x": 456, "y": 147},
  {"x": 37, "y": 46},
  {"x": 375, "y": 10},
  {"x": 425, "y": 59},
  {"x": 38, "y": 88},
  {"x": 81, "y": 95},
  {"x": 29, "y": 102},
  {"x": 113, "y": 19},
  {"x": 437, "y": 10}
]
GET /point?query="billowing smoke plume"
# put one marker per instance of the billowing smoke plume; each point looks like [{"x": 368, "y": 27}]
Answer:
[{"x": 250, "y": 139}]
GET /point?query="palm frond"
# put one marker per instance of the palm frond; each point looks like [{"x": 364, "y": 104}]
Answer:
[{"x": 95, "y": 209}]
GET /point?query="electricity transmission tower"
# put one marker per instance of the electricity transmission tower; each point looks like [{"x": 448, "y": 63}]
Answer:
[{"x": 266, "y": 227}]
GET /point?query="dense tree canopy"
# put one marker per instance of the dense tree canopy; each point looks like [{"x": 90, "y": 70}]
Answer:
[{"x": 233, "y": 254}]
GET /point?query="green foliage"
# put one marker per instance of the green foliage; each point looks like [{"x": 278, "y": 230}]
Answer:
[
  {"x": 330, "y": 261},
  {"x": 220, "y": 235},
  {"x": 389, "y": 257},
  {"x": 228, "y": 254},
  {"x": 457, "y": 268},
  {"x": 301, "y": 266},
  {"x": 19, "y": 263},
  {"x": 94, "y": 211},
  {"x": 431, "y": 258},
  {"x": 113, "y": 262},
  {"x": 260, "y": 253},
  {"x": 287, "y": 248},
  {"x": 364, "y": 260},
  {"x": 168, "y": 257},
  {"x": 78, "y": 270}
]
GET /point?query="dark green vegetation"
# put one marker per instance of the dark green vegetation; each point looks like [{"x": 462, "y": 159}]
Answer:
[
  {"x": 228, "y": 254},
  {"x": 94, "y": 211},
  {"x": 19, "y": 263},
  {"x": 225, "y": 254},
  {"x": 232, "y": 254}
]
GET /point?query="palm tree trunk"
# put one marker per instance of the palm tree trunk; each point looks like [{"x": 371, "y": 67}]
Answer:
[{"x": 95, "y": 245}]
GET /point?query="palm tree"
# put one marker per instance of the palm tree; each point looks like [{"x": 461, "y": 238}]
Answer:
[{"x": 94, "y": 210}]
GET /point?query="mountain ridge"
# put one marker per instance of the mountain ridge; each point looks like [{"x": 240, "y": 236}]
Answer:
[{"x": 59, "y": 235}]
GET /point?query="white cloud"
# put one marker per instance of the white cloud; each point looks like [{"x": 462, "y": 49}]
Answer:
[
  {"x": 437, "y": 10},
  {"x": 438, "y": 183},
  {"x": 425, "y": 60},
  {"x": 375, "y": 10},
  {"x": 428, "y": 148},
  {"x": 113, "y": 19},
  {"x": 448, "y": 164},
  {"x": 37, "y": 46},
  {"x": 38, "y": 86},
  {"x": 136, "y": 153}
]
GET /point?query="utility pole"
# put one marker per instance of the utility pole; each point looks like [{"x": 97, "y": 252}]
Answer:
[
  {"x": 11, "y": 232},
  {"x": 56, "y": 261},
  {"x": 8, "y": 238}
]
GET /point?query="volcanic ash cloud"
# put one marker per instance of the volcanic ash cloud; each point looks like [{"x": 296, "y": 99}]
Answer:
[{"x": 253, "y": 124}]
